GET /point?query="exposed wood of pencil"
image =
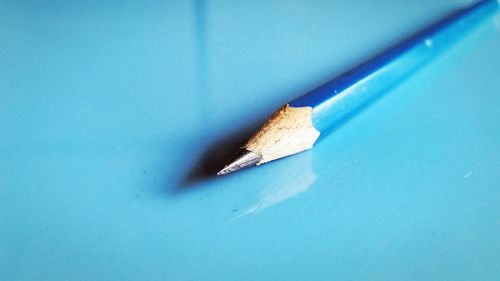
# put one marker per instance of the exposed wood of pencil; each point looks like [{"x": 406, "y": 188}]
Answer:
[{"x": 288, "y": 131}]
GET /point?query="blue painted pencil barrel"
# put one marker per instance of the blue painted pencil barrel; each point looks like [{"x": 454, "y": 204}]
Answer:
[{"x": 339, "y": 98}]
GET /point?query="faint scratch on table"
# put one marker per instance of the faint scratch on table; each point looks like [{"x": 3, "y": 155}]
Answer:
[{"x": 479, "y": 168}]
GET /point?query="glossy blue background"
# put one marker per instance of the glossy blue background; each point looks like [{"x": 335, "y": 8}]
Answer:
[{"x": 114, "y": 112}]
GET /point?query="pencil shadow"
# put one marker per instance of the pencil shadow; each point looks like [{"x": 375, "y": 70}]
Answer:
[{"x": 214, "y": 158}]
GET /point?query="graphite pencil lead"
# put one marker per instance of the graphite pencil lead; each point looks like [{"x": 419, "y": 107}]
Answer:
[{"x": 244, "y": 159}]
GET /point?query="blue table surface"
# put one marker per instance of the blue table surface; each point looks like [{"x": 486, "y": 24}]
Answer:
[{"x": 114, "y": 113}]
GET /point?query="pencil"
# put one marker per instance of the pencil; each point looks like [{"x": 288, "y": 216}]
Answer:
[{"x": 296, "y": 126}]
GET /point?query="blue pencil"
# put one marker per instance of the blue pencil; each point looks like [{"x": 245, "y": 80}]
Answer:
[{"x": 296, "y": 126}]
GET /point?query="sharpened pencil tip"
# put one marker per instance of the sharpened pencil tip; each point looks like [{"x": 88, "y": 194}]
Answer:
[{"x": 244, "y": 159}]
